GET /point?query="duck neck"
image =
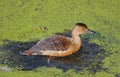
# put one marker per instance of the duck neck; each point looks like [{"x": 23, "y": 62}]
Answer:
[{"x": 76, "y": 39}]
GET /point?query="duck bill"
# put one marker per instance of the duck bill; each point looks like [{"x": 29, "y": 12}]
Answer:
[{"x": 90, "y": 31}]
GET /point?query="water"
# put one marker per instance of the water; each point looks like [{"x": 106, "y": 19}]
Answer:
[{"x": 90, "y": 55}]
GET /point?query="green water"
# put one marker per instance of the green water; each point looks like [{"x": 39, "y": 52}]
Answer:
[{"x": 19, "y": 30}]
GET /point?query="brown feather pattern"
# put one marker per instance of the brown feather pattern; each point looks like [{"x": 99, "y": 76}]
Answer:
[
  {"x": 72, "y": 49},
  {"x": 58, "y": 45},
  {"x": 55, "y": 43}
]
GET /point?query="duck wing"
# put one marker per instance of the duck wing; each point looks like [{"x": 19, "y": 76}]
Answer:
[{"x": 54, "y": 43}]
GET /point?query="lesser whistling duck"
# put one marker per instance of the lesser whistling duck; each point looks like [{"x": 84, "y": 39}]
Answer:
[{"x": 58, "y": 45}]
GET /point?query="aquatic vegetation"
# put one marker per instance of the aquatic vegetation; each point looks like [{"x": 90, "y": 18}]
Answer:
[{"x": 24, "y": 22}]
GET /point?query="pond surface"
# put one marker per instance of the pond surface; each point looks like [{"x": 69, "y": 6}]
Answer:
[{"x": 90, "y": 55}]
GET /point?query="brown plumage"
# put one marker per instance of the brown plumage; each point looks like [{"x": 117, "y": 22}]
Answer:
[
  {"x": 59, "y": 45},
  {"x": 54, "y": 43}
]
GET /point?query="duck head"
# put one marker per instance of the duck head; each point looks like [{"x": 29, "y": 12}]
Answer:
[{"x": 81, "y": 28}]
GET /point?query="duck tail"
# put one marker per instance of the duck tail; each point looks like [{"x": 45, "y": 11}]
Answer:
[{"x": 27, "y": 53}]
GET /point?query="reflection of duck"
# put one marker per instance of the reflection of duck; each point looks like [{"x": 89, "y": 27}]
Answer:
[{"x": 60, "y": 46}]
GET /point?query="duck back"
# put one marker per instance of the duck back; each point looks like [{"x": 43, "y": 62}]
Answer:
[{"x": 54, "y": 43}]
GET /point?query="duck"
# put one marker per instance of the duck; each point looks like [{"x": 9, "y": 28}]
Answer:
[{"x": 59, "y": 45}]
